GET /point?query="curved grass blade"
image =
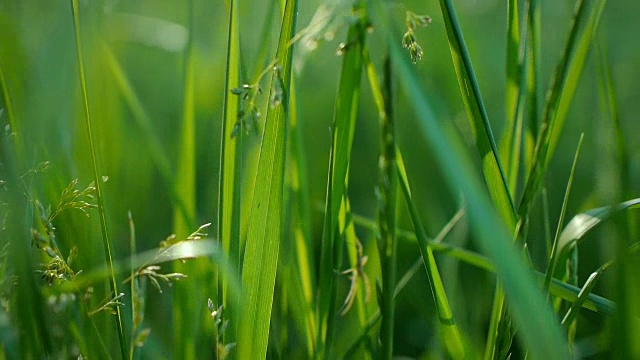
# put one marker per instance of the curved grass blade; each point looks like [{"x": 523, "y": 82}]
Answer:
[
  {"x": 343, "y": 132},
  {"x": 96, "y": 174},
  {"x": 451, "y": 333},
  {"x": 580, "y": 225},
  {"x": 541, "y": 334},
  {"x": 263, "y": 237},
  {"x": 478, "y": 118}
]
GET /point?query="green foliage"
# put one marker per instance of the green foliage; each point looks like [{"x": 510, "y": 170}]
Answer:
[{"x": 408, "y": 214}]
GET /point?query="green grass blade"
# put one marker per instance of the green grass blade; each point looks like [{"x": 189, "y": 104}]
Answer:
[
  {"x": 230, "y": 164},
  {"x": 541, "y": 334},
  {"x": 343, "y": 131},
  {"x": 551, "y": 267},
  {"x": 187, "y": 293},
  {"x": 263, "y": 237},
  {"x": 301, "y": 236},
  {"x": 387, "y": 242},
  {"x": 566, "y": 77},
  {"x": 581, "y": 224},
  {"x": 96, "y": 174},
  {"x": 478, "y": 119},
  {"x": 157, "y": 152},
  {"x": 532, "y": 64},
  {"x": 451, "y": 333}
]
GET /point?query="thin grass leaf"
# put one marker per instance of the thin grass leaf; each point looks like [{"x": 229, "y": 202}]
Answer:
[
  {"x": 343, "y": 131},
  {"x": 263, "y": 237},
  {"x": 532, "y": 67},
  {"x": 451, "y": 334},
  {"x": 97, "y": 178},
  {"x": 541, "y": 334},
  {"x": 566, "y": 77},
  {"x": 185, "y": 314},
  {"x": 230, "y": 164},
  {"x": 478, "y": 118},
  {"x": 300, "y": 239},
  {"x": 551, "y": 267}
]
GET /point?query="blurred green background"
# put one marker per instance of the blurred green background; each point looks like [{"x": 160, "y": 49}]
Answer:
[{"x": 148, "y": 39}]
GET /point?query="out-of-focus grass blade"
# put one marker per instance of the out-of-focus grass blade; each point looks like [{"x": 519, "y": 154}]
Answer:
[
  {"x": 588, "y": 286},
  {"x": 554, "y": 248},
  {"x": 343, "y": 130},
  {"x": 451, "y": 333},
  {"x": 187, "y": 294},
  {"x": 582, "y": 35},
  {"x": 141, "y": 117},
  {"x": 97, "y": 179},
  {"x": 610, "y": 104},
  {"x": 478, "y": 119},
  {"x": 542, "y": 334},
  {"x": 582, "y": 224},
  {"x": 301, "y": 223},
  {"x": 566, "y": 77},
  {"x": 263, "y": 237},
  {"x": 230, "y": 165}
]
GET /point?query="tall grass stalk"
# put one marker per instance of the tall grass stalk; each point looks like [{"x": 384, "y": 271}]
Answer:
[{"x": 96, "y": 173}]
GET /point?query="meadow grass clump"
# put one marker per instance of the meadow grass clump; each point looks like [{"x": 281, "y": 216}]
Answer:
[{"x": 392, "y": 198}]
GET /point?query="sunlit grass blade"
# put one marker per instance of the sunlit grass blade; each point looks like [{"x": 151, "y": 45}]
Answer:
[
  {"x": 346, "y": 111},
  {"x": 541, "y": 334},
  {"x": 184, "y": 250},
  {"x": 187, "y": 294},
  {"x": 301, "y": 235},
  {"x": 230, "y": 166},
  {"x": 96, "y": 173},
  {"x": 551, "y": 267},
  {"x": 478, "y": 118},
  {"x": 451, "y": 333},
  {"x": 563, "y": 86},
  {"x": 263, "y": 236}
]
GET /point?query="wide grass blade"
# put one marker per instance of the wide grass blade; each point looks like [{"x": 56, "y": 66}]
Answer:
[
  {"x": 541, "y": 334},
  {"x": 346, "y": 111},
  {"x": 96, "y": 173},
  {"x": 478, "y": 118},
  {"x": 263, "y": 237},
  {"x": 451, "y": 333}
]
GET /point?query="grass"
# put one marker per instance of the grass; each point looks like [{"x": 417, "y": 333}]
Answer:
[{"x": 304, "y": 180}]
